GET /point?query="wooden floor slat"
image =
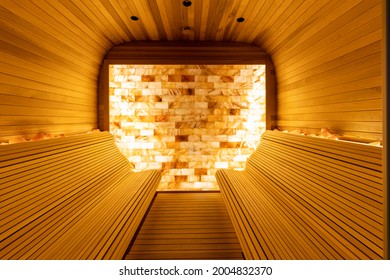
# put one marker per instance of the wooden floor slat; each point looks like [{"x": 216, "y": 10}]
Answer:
[{"x": 188, "y": 225}]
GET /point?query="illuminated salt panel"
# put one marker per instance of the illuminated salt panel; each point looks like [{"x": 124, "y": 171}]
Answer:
[{"x": 187, "y": 120}]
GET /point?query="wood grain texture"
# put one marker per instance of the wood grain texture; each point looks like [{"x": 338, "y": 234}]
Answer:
[
  {"x": 327, "y": 53},
  {"x": 190, "y": 225},
  {"x": 328, "y": 56},
  {"x": 302, "y": 197},
  {"x": 70, "y": 198}
]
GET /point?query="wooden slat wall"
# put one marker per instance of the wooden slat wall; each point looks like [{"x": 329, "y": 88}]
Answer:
[
  {"x": 386, "y": 191},
  {"x": 49, "y": 62},
  {"x": 327, "y": 56},
  {"x": 330, "y": 70}
]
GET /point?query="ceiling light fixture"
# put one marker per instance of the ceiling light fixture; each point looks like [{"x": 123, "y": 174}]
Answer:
[
  {"x": 186, "y": 30},
  {"x": 187, "y": 3}
]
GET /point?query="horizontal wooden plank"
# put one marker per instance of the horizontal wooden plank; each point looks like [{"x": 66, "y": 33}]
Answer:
[
  {"x": 326, "y": 194},
  {"x": 186, "y": 225},
  {"x": 57, "y": 47},
  {"x": 58, "y": 193}
]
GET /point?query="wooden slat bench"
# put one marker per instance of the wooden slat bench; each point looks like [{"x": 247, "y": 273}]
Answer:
[
  {"x": 70, "y": 198},
  {"x": 303, "y": 197}
]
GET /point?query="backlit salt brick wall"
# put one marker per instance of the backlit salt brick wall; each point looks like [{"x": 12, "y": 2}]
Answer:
[{"x": 187, "y": 120}]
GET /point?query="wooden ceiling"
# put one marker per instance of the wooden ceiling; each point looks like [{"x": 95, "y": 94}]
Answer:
[
  {"x": 104, "y": 23},
  {"x": 328, "y": 55},
  {"x": 97, "y": 25}
]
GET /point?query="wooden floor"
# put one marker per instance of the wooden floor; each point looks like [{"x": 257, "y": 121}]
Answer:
[{"x": 188, "y": 225}]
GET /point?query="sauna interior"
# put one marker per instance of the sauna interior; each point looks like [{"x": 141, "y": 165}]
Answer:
[{"x": 203, "y": 129}]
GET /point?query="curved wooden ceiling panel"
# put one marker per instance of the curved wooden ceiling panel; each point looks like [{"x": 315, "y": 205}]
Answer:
[
  {"x": 101, "y": 24},
  {"x": 324, "y": 52}
]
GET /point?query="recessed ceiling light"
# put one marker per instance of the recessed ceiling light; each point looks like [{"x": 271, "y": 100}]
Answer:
[
  {"x": 134, "y": 18},
  {"x": 186, "y": 30},
  {"x": 187, "y": 3},
  {"x": 240, "y": 19}
]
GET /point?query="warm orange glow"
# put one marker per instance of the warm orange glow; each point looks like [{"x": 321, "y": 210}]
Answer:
[{"x": 187, "y": 120}]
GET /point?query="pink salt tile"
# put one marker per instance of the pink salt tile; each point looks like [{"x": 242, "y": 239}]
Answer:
[
  {"x": 193, "y": 138},
  {"x": 204, "y": 185},
  {"x": 213, "y": 145},
  {"x": 201, "y": 78},
  {"x": 187, "y": 78},
  {"x": 208, "y": 178},
  {"x": 196, "y": 119},
  {"x": 147, "y": 78},
  {"x": 200, "y": 171},
  {"x": 186, "y": 185},
  {"x": 167, "y": 178},
  {"x": 220, "y": 165},
  {"x": 201, "y": 91},
  {"x": 161, "y": 105},
  {"x": 174, "y": 78},
  {"x": 181, "y": 138},
  {"x": 161, "y": 78},
  {"x": 195, "y": 72},
  {"x": 163, "y": 158},
  {"x": 227, "y": 79},
  {"x": 180, "y": 164},
  {"x": 186, "y": 131},
  {"x": 151, "y": 85},
  {"x": 200, "y": 131}
]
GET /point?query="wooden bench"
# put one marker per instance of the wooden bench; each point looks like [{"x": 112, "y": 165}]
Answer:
[
  {"x": 303, "y": 197},
  {"x": 70, "y": 198}
]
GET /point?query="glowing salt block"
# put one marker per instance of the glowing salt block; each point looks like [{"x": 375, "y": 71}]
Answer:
[
  {"x": 203, "y": 185},
  {"x": 147, "y": 132},
  {"x": 220, "y": 164}
]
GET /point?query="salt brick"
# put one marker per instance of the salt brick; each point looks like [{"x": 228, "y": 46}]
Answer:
[
  {"x": 154, "y": 165},
  {"x": 194, "y": 138},
  {"x": 219, "y": 164},
  {"x": 161, "y": 105},
  {"x": 163, "y": 158},
  {"x": 213, "y": 145},
  {"x": 193, "y": 178},
  {"x": 208, "y": 178},
  {"x": 203, "y": 185},
  {"x": 187, "y": 185},
  {"x": 134, "y": 158},
  {"x": 162, "y": 186},
  {"x": 168, "y": 138},
  {"x": 240, "y": 158},
  {"x": 211, "y": 171},
  {"x": 237, "y": 93}
]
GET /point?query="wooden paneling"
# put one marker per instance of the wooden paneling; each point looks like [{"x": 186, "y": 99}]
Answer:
[
  {"x": 303, "y": 197},
  {"x": 330, "y": 73},
  {"x": 58, "y": 193},
  {"x": 327, "y": 54},
  {"x": 385, "y": 22},
  {"x": 186, "y": 225},
  {"x": 48, "y": 76}
]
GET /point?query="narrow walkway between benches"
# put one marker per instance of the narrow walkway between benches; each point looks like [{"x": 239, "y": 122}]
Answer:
[{"x": 186, "y": 225}]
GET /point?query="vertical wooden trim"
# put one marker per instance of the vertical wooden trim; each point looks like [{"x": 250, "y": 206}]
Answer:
[
  {"x": 104, "y": 103},
  {"x": 270, "y": 96},
  {"x": 385, "y": 180}
]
